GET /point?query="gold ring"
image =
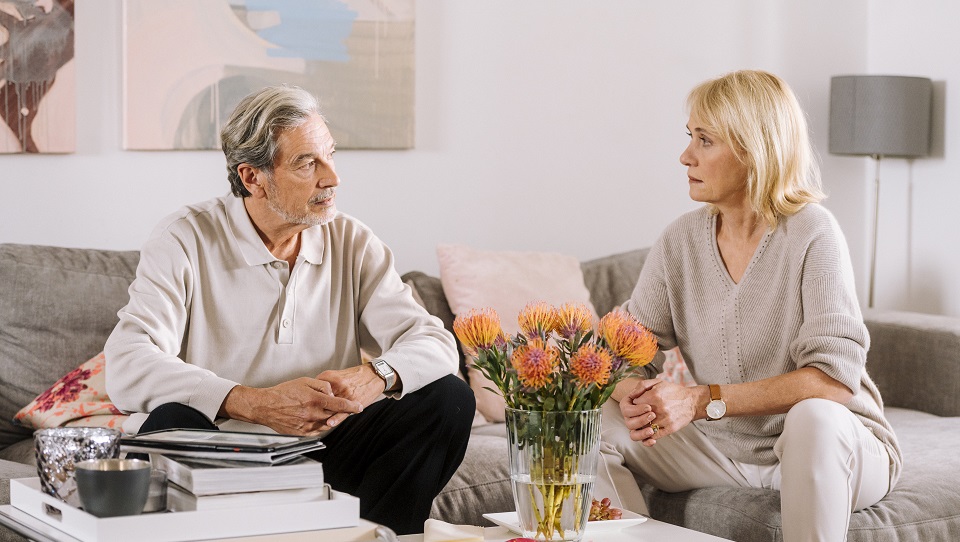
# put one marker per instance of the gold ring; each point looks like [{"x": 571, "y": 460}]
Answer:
[{"x": 655, "y": 427}]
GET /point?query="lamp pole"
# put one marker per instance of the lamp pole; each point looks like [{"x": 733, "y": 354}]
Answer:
[{"x": 876, "y": 228}]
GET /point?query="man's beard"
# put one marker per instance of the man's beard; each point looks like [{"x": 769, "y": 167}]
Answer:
[{"x": 306, "y": 218}]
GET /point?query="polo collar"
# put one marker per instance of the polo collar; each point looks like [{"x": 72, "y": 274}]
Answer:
[
  {"x": 311, "y": 244},
  {"x": 251, "y": 246}
]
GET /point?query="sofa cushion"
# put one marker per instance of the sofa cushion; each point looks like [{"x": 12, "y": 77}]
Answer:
[
  {"x": 21, "y": 452},
  {"x": 924, "y": 505},
  {"x": 611, "y": 279},
  {"x": 481, "y": 485},
  {"x": 506, "y": 281},
  {"x": 930, "y": 345},
  {"x": 58, "y": 307},
  {"x": 10, "y": 470}
]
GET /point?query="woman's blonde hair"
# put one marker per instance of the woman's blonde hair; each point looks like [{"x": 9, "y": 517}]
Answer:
[{"x": 758, "y": 115}]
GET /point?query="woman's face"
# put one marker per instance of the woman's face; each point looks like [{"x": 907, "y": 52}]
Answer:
[{"x": 714, "y": 173}]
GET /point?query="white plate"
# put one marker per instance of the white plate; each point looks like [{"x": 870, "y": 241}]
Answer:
[{"x": 511, "y": 521}]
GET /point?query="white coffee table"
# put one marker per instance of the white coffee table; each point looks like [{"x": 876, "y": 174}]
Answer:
[
  {"x": 648, "y": 531},
  {"x": 33, "y": 529}
]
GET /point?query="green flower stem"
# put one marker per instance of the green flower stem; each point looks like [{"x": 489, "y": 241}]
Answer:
[
  {"x": 551, "y": 472},
  {"x": 536, "y": 510}
]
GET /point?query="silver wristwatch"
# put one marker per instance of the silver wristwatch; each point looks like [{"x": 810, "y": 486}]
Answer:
[{"x": 385, "y": 372}]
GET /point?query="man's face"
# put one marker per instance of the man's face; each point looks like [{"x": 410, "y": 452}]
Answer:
[{"x": 302, "y": 188}]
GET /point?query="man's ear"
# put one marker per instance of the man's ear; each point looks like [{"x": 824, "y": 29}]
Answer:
[{"x": 252, "y": 179}]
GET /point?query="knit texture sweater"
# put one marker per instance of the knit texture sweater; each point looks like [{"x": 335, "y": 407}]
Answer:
[{"x": 795, "y": 306}]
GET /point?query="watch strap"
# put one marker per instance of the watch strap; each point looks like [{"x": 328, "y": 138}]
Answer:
[{"x": 715, "y": 392}]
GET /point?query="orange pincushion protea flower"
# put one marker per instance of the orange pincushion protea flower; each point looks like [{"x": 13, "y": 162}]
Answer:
[
  {"x": 572, "y": 318},
  {"x": 591, "y": 364},
  {"x": 535, "y": 363},
  {"x": 537, "y": 319},
  {"x": 629, "y": 341},
  {"x": 562, "y": 359},
  {"x": 478, "y": 329}
]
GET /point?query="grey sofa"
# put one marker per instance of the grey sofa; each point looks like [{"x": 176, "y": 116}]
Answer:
[{"x": 58, "y": 305}]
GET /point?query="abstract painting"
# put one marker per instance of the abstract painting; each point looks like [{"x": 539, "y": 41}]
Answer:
[
  {"x": 37, "y": 84},
  {"x": 187, "y": 63}
]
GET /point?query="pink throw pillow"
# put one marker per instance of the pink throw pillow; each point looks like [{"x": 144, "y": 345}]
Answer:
[
  {"x": 79, "y": 399},
  {"x": 506, "y": 281}
]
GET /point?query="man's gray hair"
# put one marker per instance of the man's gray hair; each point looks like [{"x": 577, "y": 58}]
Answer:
[{"x": 250, "y": 135}]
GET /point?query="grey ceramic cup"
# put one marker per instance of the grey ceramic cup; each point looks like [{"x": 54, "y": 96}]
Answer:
[
  {"x": 157, "y": 499},
  {"x": 113, "y": 487},
  {"x": 59, "y": 449}
]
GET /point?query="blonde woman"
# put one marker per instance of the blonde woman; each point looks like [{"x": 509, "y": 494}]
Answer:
[{"x": 756, "y": 288}]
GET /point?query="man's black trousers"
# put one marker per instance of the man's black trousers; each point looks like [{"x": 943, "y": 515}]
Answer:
[{"x": 395, "y": 456}]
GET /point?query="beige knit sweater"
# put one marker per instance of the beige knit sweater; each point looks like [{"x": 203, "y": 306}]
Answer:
[{"x": 795, "y": 306}]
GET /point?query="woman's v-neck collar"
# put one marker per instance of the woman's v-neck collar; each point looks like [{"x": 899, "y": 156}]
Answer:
[{"x": 757, "y": 253}]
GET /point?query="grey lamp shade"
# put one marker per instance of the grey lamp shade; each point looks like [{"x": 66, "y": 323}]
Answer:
[{"x": 887, "y": 115}]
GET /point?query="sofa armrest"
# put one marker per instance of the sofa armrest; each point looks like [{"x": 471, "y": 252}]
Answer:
[{"x": 915, "y": 360}]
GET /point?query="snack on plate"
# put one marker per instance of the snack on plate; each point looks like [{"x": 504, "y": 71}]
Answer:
[{"x": 601, "y": 510}]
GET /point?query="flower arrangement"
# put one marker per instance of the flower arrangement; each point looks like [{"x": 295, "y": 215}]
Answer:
[
  {"x": 558, "y": 361},
  {"x": 554, "y": 375}
]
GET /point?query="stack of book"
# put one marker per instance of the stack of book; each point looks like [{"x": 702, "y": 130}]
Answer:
[
  {"x": 213, "y": 470},
  {"x": 211, "y": 484}
]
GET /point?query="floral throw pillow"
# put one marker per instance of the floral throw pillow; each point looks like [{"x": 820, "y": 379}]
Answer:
[
  {"x": 675, "y": 369},
  {"x": 79, "y": 399}
]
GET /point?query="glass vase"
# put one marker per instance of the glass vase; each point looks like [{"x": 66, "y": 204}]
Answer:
[{"x": 553, "y": 467}]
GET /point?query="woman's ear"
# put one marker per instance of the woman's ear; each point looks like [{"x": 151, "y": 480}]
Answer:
[{"x": 252, "y": 179}]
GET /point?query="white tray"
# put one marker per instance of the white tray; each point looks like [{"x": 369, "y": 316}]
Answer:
[
  {"x": 511, "y": 521},
  {"x": 341, "y": 510}
]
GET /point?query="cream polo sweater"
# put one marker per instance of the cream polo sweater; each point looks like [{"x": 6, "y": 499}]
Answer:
[
  {"x": 211, "y": 308},
  {"x": 795, "y": 306}
]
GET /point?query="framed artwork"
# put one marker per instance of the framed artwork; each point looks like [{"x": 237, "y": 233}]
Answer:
[
  {"x": 187, "y": 63},
  {"x": 37, "y": 83}
]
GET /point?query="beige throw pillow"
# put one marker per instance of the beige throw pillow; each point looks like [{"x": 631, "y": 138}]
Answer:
[{"x": 506, "y": 281}]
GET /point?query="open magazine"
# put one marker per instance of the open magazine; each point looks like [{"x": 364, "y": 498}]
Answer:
[{"x": 233, "y": 445}]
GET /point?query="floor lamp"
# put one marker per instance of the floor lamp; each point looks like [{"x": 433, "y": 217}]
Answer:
[{"x": 877, "y": 116}]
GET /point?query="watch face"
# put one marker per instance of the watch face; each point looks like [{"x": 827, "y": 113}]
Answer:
[
  {"x": 716, "y": 409},
  {"x": 385, "y": 372}
]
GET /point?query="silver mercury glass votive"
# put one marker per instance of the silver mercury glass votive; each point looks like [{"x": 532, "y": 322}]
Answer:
[{"x": 60, "y": 448}]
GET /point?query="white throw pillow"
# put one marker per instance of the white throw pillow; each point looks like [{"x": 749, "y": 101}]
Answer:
[{"x": 506, "y": 281}]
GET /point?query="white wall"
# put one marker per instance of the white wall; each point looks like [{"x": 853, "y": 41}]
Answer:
[
  {"x": 543, "y": 124},
  {"x": 919, "y": 247}
]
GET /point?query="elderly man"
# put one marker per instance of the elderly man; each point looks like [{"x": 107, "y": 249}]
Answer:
[{"x": 255, "y": 307}]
